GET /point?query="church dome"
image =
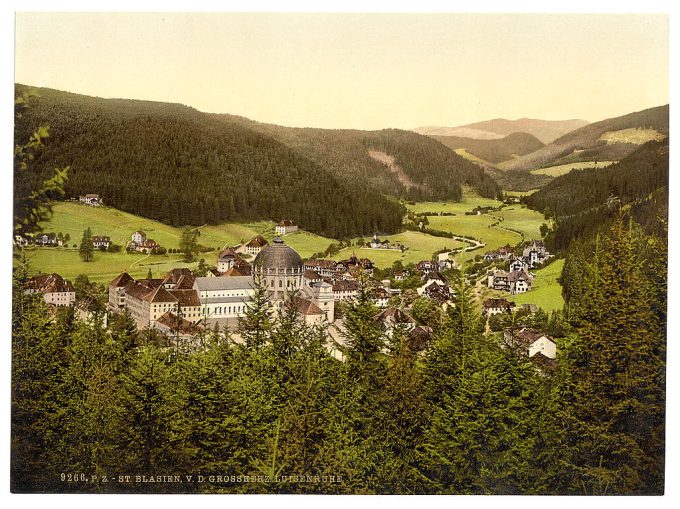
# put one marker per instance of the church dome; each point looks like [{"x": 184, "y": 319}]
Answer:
[{"x": 278, "y": 257}]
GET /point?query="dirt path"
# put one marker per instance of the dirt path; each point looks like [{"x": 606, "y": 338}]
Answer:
[{"x": 388, "y": 161}]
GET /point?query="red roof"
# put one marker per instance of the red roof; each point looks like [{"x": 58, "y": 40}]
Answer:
[
  {"x": 258, "y": 241},
  {"x": 50, "y": 283},
  {"x": 123, "y": 279},
  {"x": 287, "y": 222}
]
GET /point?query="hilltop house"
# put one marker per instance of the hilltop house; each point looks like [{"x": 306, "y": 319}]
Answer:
[
  {"x": 228, "y": 259},
  {"x": 141, "y": 243},
  {"x": 286, "y": 226},
  {"x": 91, "y": 199},
  {"x": 56, "y": 290}
]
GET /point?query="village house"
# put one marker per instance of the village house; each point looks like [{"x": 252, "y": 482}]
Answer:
[
  {"x": 441, "y": 294},
  {"x": 517, "y": 265},
  {"x": 400, "y": 275},
  {"x": 427, "y": 266},
  {"x": 255, "y": 245},
  {"x": 381, "y": 297},
  {"x": 496, "y": 306},
  {"x": 376, "y": 243},
  {"x": 47, "y": 239},
  {"x": 502, "y": 253},
  {"x": 286, "y": 226},
  {"x": 536, "y": 345},
  {"x": 360, "y": 264},
  {"x": 519, "y": 281},
  {"x": 178, "y": 278},
  {"x": 87, "y": 308},
  {"x": 91, "y": 199},
  {"x": 392, "y": 317},
  {"x": 325, "y": 268},
  {"x": 181, "y": 329},
  {"x": 228, "y": 259},
  {"x": 345, "y": 289},
  {"x": 535, "y": 253},
  {"x": 141, "y": 243},
  {"x": 56, "y": 290},
  {"x": 498, "y": 280},
  {"x": 311, "y": 276},
  {"x": 419, "y": 338},
  {"x": 101, "y": 241}
]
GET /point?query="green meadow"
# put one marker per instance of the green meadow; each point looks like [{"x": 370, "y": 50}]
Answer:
[
  {"x": 521, "y": 219},
  {"x": 563, "y": 169},
  {"x": 545, "y": 291},
  {"x": 470, "y": 201},
  {"x": 421, "y": 246}
]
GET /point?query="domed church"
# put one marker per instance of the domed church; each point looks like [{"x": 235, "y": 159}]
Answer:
[{"x": 280, "y": 267}]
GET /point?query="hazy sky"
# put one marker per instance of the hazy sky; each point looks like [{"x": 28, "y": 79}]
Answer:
[{"x": 356, "y": 71}]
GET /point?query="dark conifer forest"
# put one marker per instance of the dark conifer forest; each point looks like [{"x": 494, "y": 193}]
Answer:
[{"x": 178, "y": 165}]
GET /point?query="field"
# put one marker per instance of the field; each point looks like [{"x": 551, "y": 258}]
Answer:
[
  {"x": 563, "y": 169},
  {"x": 519, "y": 194},
  {"x": 470, "y": 157},
  {"x": 522, "y": 219},
  {"x": 469, "y": 202},
  {"x": 633, "y": 135},
  {"x": 105, "y": 266},
  {"x": 545, "y": 290},
  {"x": 74, "y": 218},
  {"x": 478, "y": 227},
  {"x": 421, "y": 247}
]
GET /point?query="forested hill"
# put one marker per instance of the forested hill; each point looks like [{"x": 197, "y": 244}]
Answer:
[
  {"x": 583, "y": 200},
  {"x": 608, "y": 140},
  {"x": 175, "y": 164},
  {"x": 494, "y": 151},
  {"x": 181, "y": 166},
  {"x": 428, "y": 169}
]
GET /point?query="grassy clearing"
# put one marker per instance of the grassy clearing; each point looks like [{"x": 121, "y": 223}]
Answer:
[
  {"x": 421, "y": 247},
  {"x": 563, "y": 169},
  {"x": 470, "y": 157},
  {"x": 307, "y": 243},
  {"x": 74, "y": 218},
  {"x": 545, "y": 289},
  {"x": 633, "y": 135},
  {"x": 519, "y": 194},
  {"x": 105, "y": 266},
  {"x": 522, "y": 219},
  {"x": 470, "y": 201}
]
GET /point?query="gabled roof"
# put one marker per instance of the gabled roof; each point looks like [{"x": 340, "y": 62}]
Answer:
[
  {"x": 123, "y": 279},
  {"x": 236, "y": 271},
  {"x": 527, "y": 336},
  {"x": 230, "y": 252},
  {"x": 50, "y": 283},
  {"x": 287, "y": 222},
  {"x": 304, "y": 306},
  {"x": 393, "y": 316},
  {"x": 160, "y": 294},
  {"x": 175, "y": 274},
  {"x": 258, "y": 241},
  {"x": 311, "y": 274},
  {"x": 498, "y": 303},
  {"x": 345, "y": 286},
  {"x": 177, "y": 324},
  {"x": 187, "y": 298},
  {"x": 185, "y": 282},
  {"x": 519, "y": 275},
  {"x": 380, "y": 293},
  {"x": 137, "y": 290}
]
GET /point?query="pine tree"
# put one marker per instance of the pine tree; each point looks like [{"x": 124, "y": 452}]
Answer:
[
  {"x": 256, "y": 324},
  {"x": 86, "y": 249},
  {"x": 615, "y": 377}
]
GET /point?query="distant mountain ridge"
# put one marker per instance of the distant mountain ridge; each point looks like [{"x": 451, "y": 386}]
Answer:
[
  {"x": 585, "y": 143},
  {"x": 545, "y": 130},
  {"x": 494, "y": 151}
]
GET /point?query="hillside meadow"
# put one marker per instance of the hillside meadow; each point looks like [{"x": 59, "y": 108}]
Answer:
[
  {"x": 563, "y": 169},
  {"x": 546, "y": 291}
]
